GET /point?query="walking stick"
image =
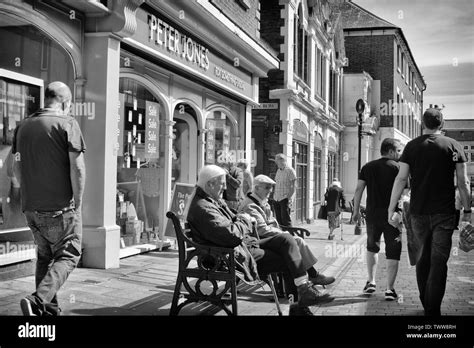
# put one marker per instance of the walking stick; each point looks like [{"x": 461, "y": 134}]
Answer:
[{"x": 342, "y": 224}]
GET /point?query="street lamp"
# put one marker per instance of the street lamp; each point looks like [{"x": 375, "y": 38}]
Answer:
[{"x": 360, "y": 106}]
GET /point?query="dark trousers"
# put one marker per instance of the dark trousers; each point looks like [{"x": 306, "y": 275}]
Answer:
[
  {"x": 282, "y": 254},
  {"x": 433, "y": 235},
  {"x": 58, "y": 238},
  {"x": 282, "y": 212}
]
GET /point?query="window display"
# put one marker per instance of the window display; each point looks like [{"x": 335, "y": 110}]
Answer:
[{"x": 140, "y": 163}]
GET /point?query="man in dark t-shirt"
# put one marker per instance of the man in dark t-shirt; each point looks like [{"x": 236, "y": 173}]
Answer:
[
  {"x": 379, "y": 176},
  {"x": 48, "y": 150},
  {"x": 431, "y": 161}
]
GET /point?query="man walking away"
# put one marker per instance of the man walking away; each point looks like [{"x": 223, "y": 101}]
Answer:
[
  {"x": 379, "y": 176},
  {"x": 285, "y": 189},
  {"x": 431, "y": 161},
  {"x": 48, "y": 149}
]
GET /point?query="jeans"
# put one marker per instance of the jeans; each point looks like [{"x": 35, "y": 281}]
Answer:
[
  {"x": 433, "y": 235},
  {"x": 282, "y": 212},
  {"x": 58, "y": 238}
]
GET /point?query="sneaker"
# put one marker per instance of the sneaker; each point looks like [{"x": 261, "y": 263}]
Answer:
[
  {"x": 321, "y": 279},
  {"x": 369, "y": 288},
  {"x": 27, "y": 307},
  {"x": 296, "y": 310},
  {"x": 390, "y": 295},
  {"x": 308, "y": 295}
]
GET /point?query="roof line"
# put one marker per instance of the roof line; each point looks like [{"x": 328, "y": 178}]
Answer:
[
  {"x": 380, "y": 18},
  {"x": 393, "y": 26}
]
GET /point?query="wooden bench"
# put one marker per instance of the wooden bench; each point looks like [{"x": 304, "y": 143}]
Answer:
[{"x": 214, "y": 265}]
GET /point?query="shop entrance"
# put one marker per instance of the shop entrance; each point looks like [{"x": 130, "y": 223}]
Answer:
[{"x": 185, "y": 149}]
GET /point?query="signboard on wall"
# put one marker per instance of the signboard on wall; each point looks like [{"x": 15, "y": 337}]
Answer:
[
  {"x": 179, "y": 202},
  {"x": 181, "y": 48},
  {"x": 152, "y": 130}
]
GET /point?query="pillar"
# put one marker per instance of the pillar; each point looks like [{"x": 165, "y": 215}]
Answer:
[{"x": 101, "y": 235}]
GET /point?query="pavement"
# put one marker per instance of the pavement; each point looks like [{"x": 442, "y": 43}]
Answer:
[{"x": 144, "y": 284}]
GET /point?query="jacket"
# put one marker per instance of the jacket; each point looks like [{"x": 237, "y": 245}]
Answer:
[
  {"x": 212, "y": 222},
  {"x": 266, "y": 225},
  {"x": 335, "y": 199}
]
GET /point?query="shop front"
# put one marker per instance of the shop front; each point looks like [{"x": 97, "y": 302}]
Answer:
[
  {"x": 201, "y": 107},
  {"x": 156, "y": 98},
  {"x": 30, "y": 56}
]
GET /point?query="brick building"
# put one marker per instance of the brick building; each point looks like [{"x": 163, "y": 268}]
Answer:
[
  {"x": 380, "y": 49},
  {"x": 300, "y": 102},
  {"x": 462, "y": 130}
]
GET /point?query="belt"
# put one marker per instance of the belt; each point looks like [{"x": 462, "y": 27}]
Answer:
[{"x": 53, "y": 213}]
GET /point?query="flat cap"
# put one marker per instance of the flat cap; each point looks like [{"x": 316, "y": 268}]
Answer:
[{"x": 263, "y": 179}]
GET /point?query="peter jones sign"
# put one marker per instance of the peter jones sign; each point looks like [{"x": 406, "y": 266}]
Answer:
[{"x": 182, "y": 47}]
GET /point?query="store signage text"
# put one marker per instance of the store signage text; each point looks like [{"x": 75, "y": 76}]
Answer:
[
  {"x": 227, "y": 76},
  {"x": 163, "y": 34},
  {"x": 266, "y": 106},
  {"x": 151, "y": 129}
]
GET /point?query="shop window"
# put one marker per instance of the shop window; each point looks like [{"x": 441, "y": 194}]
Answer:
[
  {"x": 140, "y": 163},
  {"x": 29, "y": 60},
  {"x": 18, "y": 100},
  {"x": 219, "y": 145},
  {"x": 27, "y": 50}
]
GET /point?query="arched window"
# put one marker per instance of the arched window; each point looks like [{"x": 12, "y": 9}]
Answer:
[{"x": 140, "y": 158}]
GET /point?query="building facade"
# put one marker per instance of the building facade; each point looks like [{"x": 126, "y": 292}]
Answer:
[
  {"x": 299, "y": 106},
  {"x": 380, "y": 49},
  {"x": 160, "y": 88}
]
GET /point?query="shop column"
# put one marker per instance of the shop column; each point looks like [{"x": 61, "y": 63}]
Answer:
[{"x": 101, "y": 239}]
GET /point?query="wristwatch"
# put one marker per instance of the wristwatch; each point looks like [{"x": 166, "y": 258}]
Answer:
[{"x": 467, "y": 211}]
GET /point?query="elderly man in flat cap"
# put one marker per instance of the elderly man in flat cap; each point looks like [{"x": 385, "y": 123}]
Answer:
[
  {"x": 256, "y": 205},
  {"x": 212, "y": 222}
]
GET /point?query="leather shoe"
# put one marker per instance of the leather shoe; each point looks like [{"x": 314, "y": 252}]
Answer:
[{"x": 321, "y": 279}]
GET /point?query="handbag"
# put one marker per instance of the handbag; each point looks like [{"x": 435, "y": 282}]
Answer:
[{"x": 323, "y": 212}]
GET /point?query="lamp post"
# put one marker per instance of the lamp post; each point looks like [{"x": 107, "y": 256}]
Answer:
[{"x": 360, "y": 106}]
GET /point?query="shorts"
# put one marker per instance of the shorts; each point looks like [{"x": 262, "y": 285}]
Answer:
[{"x": 375, "y": 227}]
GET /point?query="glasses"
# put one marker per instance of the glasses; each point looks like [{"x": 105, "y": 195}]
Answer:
[{"x": 267, "y": 187}]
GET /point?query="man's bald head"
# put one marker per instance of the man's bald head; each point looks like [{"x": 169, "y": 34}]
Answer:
[{"x": 56, "y": 94}]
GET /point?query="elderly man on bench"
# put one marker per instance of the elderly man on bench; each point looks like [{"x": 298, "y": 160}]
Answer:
[
  {"x": 212, "y": 222},
  {"x": 256, "y": 205}
]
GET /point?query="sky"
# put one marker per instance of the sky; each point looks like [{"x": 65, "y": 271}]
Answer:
[{"x": 440, "y": 34}]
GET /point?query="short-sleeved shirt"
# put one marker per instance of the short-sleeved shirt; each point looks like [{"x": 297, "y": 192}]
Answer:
[
  {"x": 43, "y": 142},
  {"x": 379, "y": 176},
  {"x": 432, "y": 159},
  {"x": 283, "y": 178}
]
